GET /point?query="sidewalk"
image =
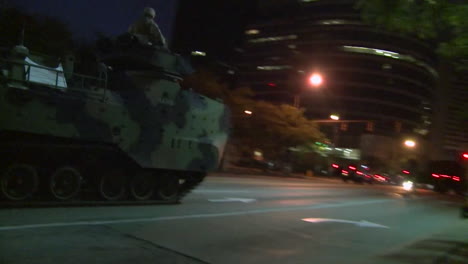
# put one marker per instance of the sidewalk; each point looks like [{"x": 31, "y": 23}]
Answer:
[{"x": 447, "y": 247}]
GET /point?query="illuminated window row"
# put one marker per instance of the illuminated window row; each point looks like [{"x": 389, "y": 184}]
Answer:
[
  {"x": 198, "y": 53},
  {"x": 332, "y": 22},
  {"x": 271, "y": 39},
  {"x": 390, "y": 54},
  {"x": 273, "y": 67},
  {"x": 252, "y": 32}
]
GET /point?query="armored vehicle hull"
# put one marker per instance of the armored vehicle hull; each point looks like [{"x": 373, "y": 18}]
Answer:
[{"x": 130, "y": 134}]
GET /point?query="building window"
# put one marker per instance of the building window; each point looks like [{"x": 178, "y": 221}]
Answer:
[
  {"x": 273, "y": 67},
  {"x": 390, "y": 54},
  {"x": 252, "y": 32},
  {"x": 271, "y": 39},
  {"x": 331, "y": 22}
]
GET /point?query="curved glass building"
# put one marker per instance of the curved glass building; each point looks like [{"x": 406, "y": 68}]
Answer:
[{"x": 385, "y": 80}]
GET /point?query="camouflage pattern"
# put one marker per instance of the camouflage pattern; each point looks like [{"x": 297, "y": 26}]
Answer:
[{"x": 142, "y": 111}]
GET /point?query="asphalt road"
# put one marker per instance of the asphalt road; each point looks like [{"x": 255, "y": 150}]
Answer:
[{"x": 236, "y": 219}]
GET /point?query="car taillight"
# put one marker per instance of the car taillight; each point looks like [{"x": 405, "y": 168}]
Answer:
[
  {"x": 435, "y": 175},
  {"x": 455, "y": 178},
  {"x": 335, "y": 166}
]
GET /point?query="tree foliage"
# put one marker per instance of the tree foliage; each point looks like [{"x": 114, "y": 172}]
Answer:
[
  {"x": 271, "y": 128},
  {"x": 441, "y": 21}
]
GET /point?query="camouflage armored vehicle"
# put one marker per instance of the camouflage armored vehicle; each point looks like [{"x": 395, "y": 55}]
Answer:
[{"x": 128, "y": 133}]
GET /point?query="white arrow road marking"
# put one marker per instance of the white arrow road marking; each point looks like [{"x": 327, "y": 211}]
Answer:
[
  {"x": 228, "y": 199},
  {"x": 362, "y": 223}
]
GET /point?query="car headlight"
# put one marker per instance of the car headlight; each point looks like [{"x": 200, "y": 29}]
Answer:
[{"x": 407, "y": 185}]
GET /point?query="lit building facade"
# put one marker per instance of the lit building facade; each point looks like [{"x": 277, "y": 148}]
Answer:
[
  {"x": 385, "y": 80},
  {"x": 451, "y": 118}
]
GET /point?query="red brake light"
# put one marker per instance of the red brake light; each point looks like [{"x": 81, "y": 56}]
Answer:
[
  {"x": 406, "y": 172},
  {"x": 465, "y": 155},
  {"x": 455, "y": 178},
  {"x": 359, "y": 173},
  {"x": 335, "y": 166},
  {"x": 435, "y": 175},
  {"x": 272, "y": 84},
  {"x": 352, "y": 167}
]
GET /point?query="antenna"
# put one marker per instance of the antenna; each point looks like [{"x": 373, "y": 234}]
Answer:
[{"x": 21, "y": 40}]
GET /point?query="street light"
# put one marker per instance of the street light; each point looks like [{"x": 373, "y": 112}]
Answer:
[
  {"x": 316, "y": 79},
  {"x": 335, "y": 117},
  {"x": 248, "y": 112},
  {"x": 410, "y": 143}
]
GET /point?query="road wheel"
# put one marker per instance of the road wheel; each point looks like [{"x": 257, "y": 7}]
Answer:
[
  {"x": 65, "y": 183},
  {"x": 142, "y": 186},
  {"x": 167, "y": 187},
  {"x": 19, "y": 182},
  {"x": 112, "y": 184}
]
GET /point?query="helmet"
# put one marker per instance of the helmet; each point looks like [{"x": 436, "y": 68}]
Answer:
[{"x": 148, "y": 11}]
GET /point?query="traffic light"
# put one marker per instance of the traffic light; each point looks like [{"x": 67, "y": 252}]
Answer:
[{"x": 343, "y": 126}]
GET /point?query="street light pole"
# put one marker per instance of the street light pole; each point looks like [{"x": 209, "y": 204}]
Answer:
[
  {"x": 297, "y": 101},
  {"x": 315, "y": 80}
]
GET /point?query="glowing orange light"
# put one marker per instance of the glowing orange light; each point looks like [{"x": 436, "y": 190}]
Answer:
[
  {"x": 316, "y": 79},
  {"x": 410, "y": 143}
]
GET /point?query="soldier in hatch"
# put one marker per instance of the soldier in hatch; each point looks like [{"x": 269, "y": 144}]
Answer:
[{"x": 148, "y": 28}]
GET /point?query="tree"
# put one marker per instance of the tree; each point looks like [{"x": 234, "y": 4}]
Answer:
[
  {"x": 271, "y": 128},
  {"x": 441, "y": 22}
]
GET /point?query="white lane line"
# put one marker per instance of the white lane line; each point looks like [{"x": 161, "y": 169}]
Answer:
[
  {"x": 232, "y": 199},
  {"x": 219, "y": 191},
  {"x": 194, "y": 216}
]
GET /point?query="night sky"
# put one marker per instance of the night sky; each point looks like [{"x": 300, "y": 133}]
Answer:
[{"x": 111, "y": 17}]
